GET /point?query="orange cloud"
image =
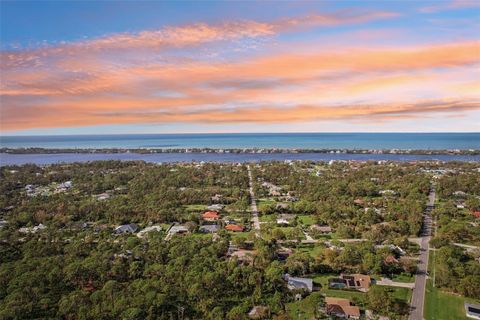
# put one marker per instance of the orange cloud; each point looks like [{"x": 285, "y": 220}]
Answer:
[
  {"x": 300, "y": 113},
  {"x": 188, "y": 35},
  {"x": 79, "y": 84}
]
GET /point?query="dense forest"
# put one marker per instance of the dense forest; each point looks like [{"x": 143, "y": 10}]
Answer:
[{"x": 60, "y": 257}]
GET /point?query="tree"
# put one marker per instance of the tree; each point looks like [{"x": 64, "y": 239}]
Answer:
[{"x": 380, "y": 300}]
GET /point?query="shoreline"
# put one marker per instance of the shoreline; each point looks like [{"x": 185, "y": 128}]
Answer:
[{"x": 236, "y": 151}]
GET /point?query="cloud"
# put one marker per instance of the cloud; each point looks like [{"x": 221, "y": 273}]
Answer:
[
  {"x": 266, "y": 115},
  {"x": 122, "y": 78},
  {"x": 172, "y": 37},
  {"x": 450, "y": 5}
]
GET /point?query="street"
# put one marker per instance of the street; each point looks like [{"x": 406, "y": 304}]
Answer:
[
  {"x": 418, "y": 297},
  {"x": 256, "y": 221}
]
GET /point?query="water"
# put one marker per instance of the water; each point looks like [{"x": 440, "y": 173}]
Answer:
[
  {"x": 427, "y": 141},
  {"x": 42, "y": 159}
]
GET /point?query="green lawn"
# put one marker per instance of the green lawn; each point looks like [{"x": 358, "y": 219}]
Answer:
[
  {"x": 441, "y": 305},
  {"x": 195, "y": 207},
  {"x": 306, "y": 220},
  {"x": 313, "y": 250},
  {"x": 403, "y": 277}
]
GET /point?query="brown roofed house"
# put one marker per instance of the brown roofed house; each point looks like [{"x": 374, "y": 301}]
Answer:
[
  {"x": 210, "y": 216},
  {"x": 234, "y": 228},
  {"x": 356, "y": 281},
  {"x": 341, "y": 308}
]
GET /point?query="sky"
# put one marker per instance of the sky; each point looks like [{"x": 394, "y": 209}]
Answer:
[{"x": 108, "y": 67}]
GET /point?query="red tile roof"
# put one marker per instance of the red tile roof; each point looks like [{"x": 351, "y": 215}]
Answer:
[
  {"x": 234, "y": 227},
  {"x": 211, "y": 215}
]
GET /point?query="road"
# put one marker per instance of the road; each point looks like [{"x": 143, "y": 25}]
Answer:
[
  {"x": 256, "y": 221},
  {"x": 418, "y": 297}
]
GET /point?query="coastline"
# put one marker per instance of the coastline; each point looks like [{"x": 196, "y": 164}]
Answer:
[{"x": 236, "y": 151}]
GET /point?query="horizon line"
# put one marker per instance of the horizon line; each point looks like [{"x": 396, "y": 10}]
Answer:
[{"x": 248, "y": 133}]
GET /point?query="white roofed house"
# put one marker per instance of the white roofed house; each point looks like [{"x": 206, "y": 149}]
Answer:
[
  {"x": 143, "y": 232},
  {"x": 126, "y": 228},
  {"x": 297, "y": 283}
]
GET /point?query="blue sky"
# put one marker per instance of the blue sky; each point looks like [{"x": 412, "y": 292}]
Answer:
[{"x": 207, "y": 66}]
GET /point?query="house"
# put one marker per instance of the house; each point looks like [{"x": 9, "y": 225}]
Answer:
[
  {"x": 472, "y": 310},
  {"x": 3, "y": 223},
  {"x": 387, "y": 192},
  {"x": 126, "y": 228},
  {"x": 143, "y": 232},
  {"x": 217, "y": 197},
  {"x": 296, "y": 283},
  {"x": 357, "y": 281},
  {"x": 476, "y": 214},
  {"x": 390, "y": 259},
  {"x": 215, "y": 207},
  {"x": 35, "y": 229},
  {"x": 359, "y": 202},
  {"x": 102, "y": 196},
  {"x": 283, "y": 253},
  {"x": 258, "y": 312},
  {"x": 177, "y": 229},
  {"x": 208, "y": 228},
  {"x": 285, "y": 218},
  {"x": 210, "y": 216},
  {"x": 321, "y": 229},
  {"x": 234, "y": 228},
  {"x": 65, "y": 185},
  {"x": 459, "y": 194},
  {"x": 341, "y": 308},
  {"x": 243, "y": 256}
]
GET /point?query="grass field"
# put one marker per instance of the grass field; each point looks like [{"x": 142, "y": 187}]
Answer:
[
  {"x": 306, "y": 220},
  {"x": 195, "y": 207},
  {"x": 403, "y": 277},
  {"x": 441, "y": 305}
]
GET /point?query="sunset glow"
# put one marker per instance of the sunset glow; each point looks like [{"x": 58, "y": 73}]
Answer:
[{"x": 314, "y": 66}]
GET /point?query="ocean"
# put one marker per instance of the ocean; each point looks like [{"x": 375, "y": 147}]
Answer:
[
  {"x": 427, "y": 141},
  {"x": 432, "y": 141}
]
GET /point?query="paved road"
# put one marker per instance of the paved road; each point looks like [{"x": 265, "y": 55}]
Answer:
[
  {"x": 418, "y": 297},
  {"x": 256, "y": 221}
]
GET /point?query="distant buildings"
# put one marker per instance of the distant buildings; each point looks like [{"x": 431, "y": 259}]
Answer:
[{"x": 35, "y": 229}]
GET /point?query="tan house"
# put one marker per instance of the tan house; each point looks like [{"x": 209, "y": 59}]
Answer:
[{"x": 341, "y": 308}]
